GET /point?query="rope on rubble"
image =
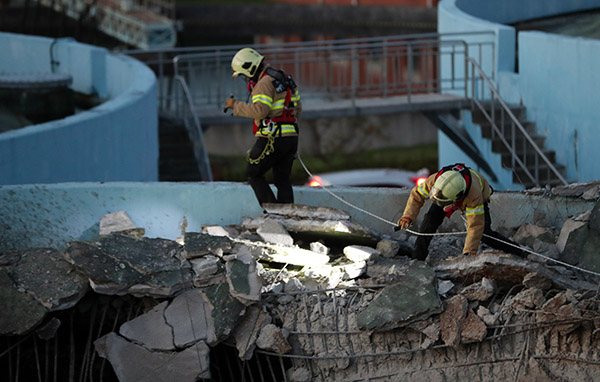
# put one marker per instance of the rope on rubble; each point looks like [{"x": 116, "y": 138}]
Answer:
[{"x": 442, "y": 233}]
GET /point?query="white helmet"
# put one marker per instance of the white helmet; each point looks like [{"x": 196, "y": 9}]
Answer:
[
  {"x": 449, "y": 187},
  {"x": 246, "y": 61}
]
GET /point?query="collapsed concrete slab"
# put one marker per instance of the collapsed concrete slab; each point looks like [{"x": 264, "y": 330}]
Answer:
[
  {"x": 33, "y": 283},
  {"x": 117, "y": 264},
  {"x": 134, "y": 363},
  {"x": 505, "y": 270},
  {"x": 326, "y": 222},
  {"x": 372, "y": 314},
  {"x": 409, "y": 298}
]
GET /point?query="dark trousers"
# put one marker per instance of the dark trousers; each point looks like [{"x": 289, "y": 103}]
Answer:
[
  {"x": 434, "y": 218},
  {"x": 280, "y": 160}
]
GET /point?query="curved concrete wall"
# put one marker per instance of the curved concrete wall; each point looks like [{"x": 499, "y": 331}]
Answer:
[
  {"x": 52, "y": 215},
  {"x": 556, "y": 79},
  {"x": 115, "y": 141}
]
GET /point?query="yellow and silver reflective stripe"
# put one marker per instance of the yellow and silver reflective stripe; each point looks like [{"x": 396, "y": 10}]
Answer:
[
  {"x": 262, "y": 98},
  {"x": 280, "y": 103},
  {"x": 421, "y": 189},
  {"x": 475, "y": 210},
  {"x": 478, "y": 177},
  {"x": 296, "y": 97},
  {"x": 287, "y": 128}
]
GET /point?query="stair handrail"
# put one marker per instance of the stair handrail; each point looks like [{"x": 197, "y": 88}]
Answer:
[
  {"x": 194, "y": 132},
  {"x": 495, "y": 97}
]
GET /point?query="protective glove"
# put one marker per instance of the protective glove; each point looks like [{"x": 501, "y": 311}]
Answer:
[
  {"x": 404, "y": 222},
  {"x": 229, "y": 102}
]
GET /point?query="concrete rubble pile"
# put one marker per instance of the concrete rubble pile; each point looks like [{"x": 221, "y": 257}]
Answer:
[{"x": 342, "y": 302}]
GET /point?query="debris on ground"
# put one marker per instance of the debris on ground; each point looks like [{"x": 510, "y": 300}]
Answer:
[{"x": 342, "y": 302}]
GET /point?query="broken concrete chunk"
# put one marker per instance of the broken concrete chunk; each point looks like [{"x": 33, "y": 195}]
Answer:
[
  {"x": 411, "y": 298},
  {"x": 488, "y": 317},
  {"x": 452, "y": 318},
  {"x": 319, "y": 248},
  {"x": 246, "y": 333},
  {"x": 504, "y": 269},
  {"x": 45, "y": 275},
  {"x": 286, "y": 255},
  {"x": 360, "y": 253},
  {"x": 308, "y": 212},
  {"x": 207, "y": 270},
  {"x": 134, "y": 363},
  {"x": 115, "y": 222},
  {"x": 150, "y": 330},
  {"x": 190, "y": 317},
  {"x": 444, "y": 286},
  {"x": 273, "y": 339},
  {"x": 299, "y": 374},
  {"x": 480, "y": 291},
  {"x": 242, "y": 277},
  {"x": 473, "y": 329},
  {"x": 117, "y": 264},
  {"x": 48, "y": 330},
  {"x": 338, "y": 229},
  {"x": 20, "y": 311},
  {"x": 388, "y": 248},
  {"x": 200, "y": 244},
  {"x": 569, "y": 229},
  {"x": 217, "y": 230},
  {"x": 227, "y": 311},
  {"x": 273, "y": 232},
  {"x": 534, "y": 280},
  {"x": 527, "y": 233},
  {"x": 529, "y": 298}
]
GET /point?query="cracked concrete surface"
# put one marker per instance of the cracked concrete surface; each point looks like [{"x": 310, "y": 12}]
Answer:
[{"x": 340, "y": 300}]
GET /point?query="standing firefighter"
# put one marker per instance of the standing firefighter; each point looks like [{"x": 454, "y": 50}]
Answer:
[
  {"x": 275, "y": 107},
  {"x": 455, "y": 187}
]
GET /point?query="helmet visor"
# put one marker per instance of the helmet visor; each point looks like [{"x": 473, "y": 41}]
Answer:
[{"x": 439, "y": 198}]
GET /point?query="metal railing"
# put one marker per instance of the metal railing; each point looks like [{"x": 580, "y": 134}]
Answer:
[
  {"x": 524, "y": 152},
  {"x": 352, "y": 69},
  {"x": 194, "y": 129},
  {"x": 326, "y": 70}
]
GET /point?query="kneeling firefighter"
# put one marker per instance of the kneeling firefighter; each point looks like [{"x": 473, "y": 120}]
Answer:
[
  {"x": 275, "y": 107},
  {"x": 455, "y": 187}
]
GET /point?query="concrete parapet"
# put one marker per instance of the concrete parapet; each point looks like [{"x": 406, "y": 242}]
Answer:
[{"x": 114, "y": 141}]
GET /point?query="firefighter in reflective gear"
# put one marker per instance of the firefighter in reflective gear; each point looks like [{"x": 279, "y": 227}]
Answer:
[
  {"x": 453, "y": 188},
  {"x": 275, "y": 108}
]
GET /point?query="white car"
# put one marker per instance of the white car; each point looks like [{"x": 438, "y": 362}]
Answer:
[{"x": 384, "y": 177}]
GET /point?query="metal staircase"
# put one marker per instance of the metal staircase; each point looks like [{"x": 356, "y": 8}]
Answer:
[
  {"x": 513, "y": 137},
  {"x": 523, "y": 149}
]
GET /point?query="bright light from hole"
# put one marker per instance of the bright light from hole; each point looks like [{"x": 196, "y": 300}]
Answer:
[{"x": 316, "y": 181}]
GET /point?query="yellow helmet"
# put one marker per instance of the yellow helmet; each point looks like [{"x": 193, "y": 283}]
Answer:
[
  {"x": 449, "y": 187},
  {"x": 246, "y": 61}
]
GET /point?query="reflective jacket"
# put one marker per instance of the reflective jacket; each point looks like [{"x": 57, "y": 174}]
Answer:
[
  {"x": 471, "y": 205},
  {"x": 266, "y": 103}
]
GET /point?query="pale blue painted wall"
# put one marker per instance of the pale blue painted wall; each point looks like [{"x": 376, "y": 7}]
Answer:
[
  {"x": 115, "y": 141},
  {"x": 570, "y": 63},
  {"x": 560, "y": 85}
]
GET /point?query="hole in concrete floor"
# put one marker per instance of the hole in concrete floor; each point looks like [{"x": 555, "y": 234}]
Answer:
[
  {"x": 226, "y": 366},
  {"x": 66, "y": 352}
]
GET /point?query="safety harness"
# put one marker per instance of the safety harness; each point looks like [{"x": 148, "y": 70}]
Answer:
[{"x": 271, "y": 127}]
